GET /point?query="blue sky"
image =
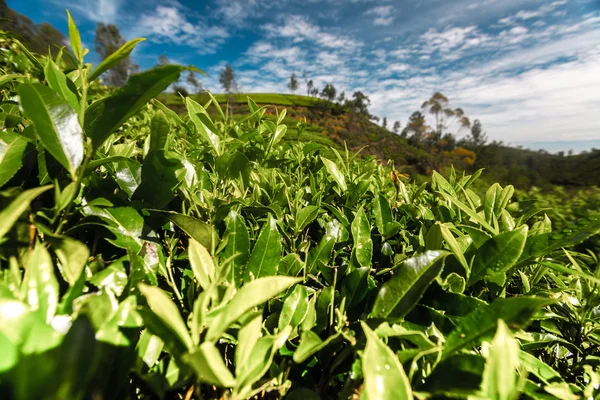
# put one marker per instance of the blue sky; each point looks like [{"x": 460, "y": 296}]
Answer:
[{"x": 529, "y": 70}]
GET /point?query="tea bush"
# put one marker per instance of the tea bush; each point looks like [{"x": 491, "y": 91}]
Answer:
[{"x": 146, "y": 254}]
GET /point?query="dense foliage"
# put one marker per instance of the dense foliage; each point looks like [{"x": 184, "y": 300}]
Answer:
[{"x": 146, "y": 254}]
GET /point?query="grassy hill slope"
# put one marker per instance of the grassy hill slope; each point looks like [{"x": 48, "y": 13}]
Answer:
[
  {"x": 332, "y": 125},
  {"x": 327, "y": 124}
]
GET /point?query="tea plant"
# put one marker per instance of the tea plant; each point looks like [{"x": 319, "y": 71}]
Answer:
[{"x": 146, "y": 254}]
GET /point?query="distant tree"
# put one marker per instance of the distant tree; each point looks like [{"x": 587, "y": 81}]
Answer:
[
  {"x": 478, "y": 137},
  {"x": 384, "y": 124},
  {"x": 41, "y": 38},
  {"x": 341, "y": 98},
  {"x": 396, "y": 127},
  {"x": 163, "y": 60},
  {"x": 314, "y": 92},
  {"x": 570, "y": 152},
  {"x": 415, "y": 128},
  {"x": 309, "y": 87},
  {"x": 181, "y": 90},
  {"x": 293, "y": 84},
  {"x": 444, "y": 116},
  {"x": 360, "y": 103},
  {"x": 108, "y": 40},
  {"x": 227, "y": 79},
  {"x": 329, "y": 92},
  {"x": 193, "y": 81}
]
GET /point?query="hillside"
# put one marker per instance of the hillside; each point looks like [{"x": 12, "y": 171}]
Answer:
[
  {"x": 328, "y": 124},
  {"x": 332, "y": 125}
]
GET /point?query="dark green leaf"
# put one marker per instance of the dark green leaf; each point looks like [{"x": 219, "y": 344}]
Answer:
[
  {"x": 159, "y": 131},
  {"x": 55, "y": 123},
  {"x": 12, "y": 147},
  {"x": 498, "y": 254},
  {"x": 202, "y": 232},
  {"x": 403, "y": 291},
  {"x": 106, "y": 115},
  {"x": 13, "y": 211},
  {"x": 481, "y": 323},
  {"x": 264, "y": 259}
]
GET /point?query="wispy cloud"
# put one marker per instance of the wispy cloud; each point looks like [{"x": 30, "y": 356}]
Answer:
[
  {"x": 383, "y": 15},
  {"x": 169, "y": 24}
]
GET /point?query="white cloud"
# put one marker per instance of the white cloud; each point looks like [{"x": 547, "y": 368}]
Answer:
[
  {"x": 299, "y": 28},
  {"x": 168, "y": 24},
  {"x": 383, "y": 15},
  {"x": 105, "y": 11}
]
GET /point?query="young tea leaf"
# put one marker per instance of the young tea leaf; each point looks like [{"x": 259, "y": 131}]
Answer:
[{"x": 384, "y": 376}]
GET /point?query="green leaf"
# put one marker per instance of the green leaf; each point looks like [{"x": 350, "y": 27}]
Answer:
[
  {"x": 361, "y": 233},
  {"x": 311, "y": 343},
  {"x": 40, "y": 286},
  {"x": 545, "y": 243},
  {"x": 209, "y": 367},
  {"x": 75, "y": 39},
  {"x": 160, "y": 179},
  {"x": 248, "y": 335},
  {"x": 128, "y": 175},
  {"x": 384, "y": 376},
  {"x": 55, "y": 123},
  {"x": 454, "y": 246},
  {"x": 500, "y": 375},
  {"x": 294, "y": 308},
  {"x": 59, "y": 82},
  {"x": 459, "y": 375},
  {"x": 498, "y": 254},
  {"x": 73, "y": 256},
  {"x": 159, "y": 131},
  {"x": 249, "y": 296},
  {"x": 164, "y": 309},
  {"x": 403, "y": 291},
  {"x": 200, "y": 231},
  {"x": 355, "y": 286},
  {"x": 13, "y": 211},
  {"x": 538, "y": 368},
  {"x": 12, "y": 147},
  {"x": 124, "y": 223},
  {"x": 264, "y": 259},
  {"x": 106, "y": 115},
  {"x": 305, "y": 216},
  {"x": 9, "y": 354},
  {"x": 320, "y": 254},
  {"x": 238, "y": 243},
  {"x": 115, "y": 58},
  {"x": 202, "y": 264},
  {"x": 199, "y": 116},
  {"x": 481, "y": 323},
  {"x": 383, "y": 213},
  {"x": 335, "y": 173},
  {"x": 470, "y": 212}
]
